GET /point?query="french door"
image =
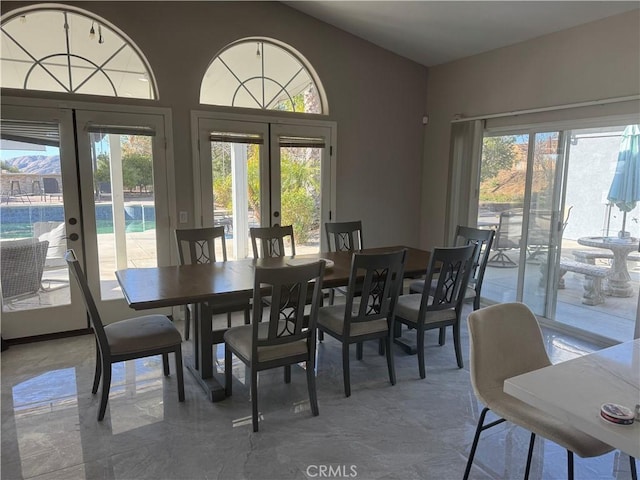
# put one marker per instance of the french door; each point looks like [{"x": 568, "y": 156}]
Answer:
[
  {"x": 89, "y": 180},
  {"x": 125, "y": 198},
  {"x": 253, "y": 173},
  {"x": 40, "y": 217}
]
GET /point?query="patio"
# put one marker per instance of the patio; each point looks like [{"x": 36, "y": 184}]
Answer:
[{"x": 614, "y": 318}]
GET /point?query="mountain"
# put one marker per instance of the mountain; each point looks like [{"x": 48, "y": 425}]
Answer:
[{"x": 41, "y": 164}]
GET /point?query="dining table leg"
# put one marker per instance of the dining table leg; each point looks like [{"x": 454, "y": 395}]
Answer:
[
  {"x": 202, "y": 366},
  {"x": 405, "y": 344}
]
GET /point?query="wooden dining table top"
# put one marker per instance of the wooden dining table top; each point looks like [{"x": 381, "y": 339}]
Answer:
[{"x": 146, "y": 288}]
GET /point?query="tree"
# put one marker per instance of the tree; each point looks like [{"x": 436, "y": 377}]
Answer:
[
  {"x": 544, "y": 168},
  {"x": 137, "y": 171},
  {"x": 300, "y": 191},
  {"x": 498, "y": 154},
  {"x": 504, "y": 160},
  {"x": 103, "y": 169},
  {"x": 299, "y": 182},
  {"x": 8, "y": 168},
  {"x": 136, "y": 145}
]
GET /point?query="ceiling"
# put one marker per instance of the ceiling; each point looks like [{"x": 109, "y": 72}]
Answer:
[{"x": 435, "y": 32}]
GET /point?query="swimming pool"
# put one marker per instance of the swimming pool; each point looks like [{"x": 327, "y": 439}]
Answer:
[{"x": 17, "y": 221}]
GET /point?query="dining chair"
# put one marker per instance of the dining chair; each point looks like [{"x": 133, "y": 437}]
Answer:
[
  {"x": 137, "y": 337},
  {"x": 442, "y": 307},
  {"x": 284, "y": 338},
  {"x": 270, "y": 241},
  {"x": 343, "y": 237},
  {"x": 378, "y": 278},
  {"x": 198, "y": 245},
  {"x": 506, "y": 341},
  {"x": 469, "y": 236}
]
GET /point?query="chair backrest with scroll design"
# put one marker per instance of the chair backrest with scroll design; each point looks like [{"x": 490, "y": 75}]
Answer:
[
  {"x": 344, "y": 236},
  {"x": 270, "y": 241},
  {"x": 198, "y": 245}
]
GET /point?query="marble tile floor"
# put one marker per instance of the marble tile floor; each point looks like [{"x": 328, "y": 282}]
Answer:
[{"x": 417, "y": 429}]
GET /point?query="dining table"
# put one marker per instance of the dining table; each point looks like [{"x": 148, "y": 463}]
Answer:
[
  {"x": 619, "y": 280},
  {"x": 573, "y": 391},
  {"x": 220, "y": 283}
]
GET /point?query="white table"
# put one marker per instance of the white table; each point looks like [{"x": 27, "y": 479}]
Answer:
[{"x": 573, "y": 391}]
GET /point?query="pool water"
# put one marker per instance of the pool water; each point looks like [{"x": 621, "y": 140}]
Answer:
[{"x": 17, "y": 221}]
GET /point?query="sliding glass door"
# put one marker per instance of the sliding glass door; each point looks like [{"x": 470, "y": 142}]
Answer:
[
  {"x": 519, "y": 198},
  {"x": 545, "y": 193}
]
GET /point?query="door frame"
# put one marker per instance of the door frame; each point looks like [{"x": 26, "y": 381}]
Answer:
[
  {"x": 117, "y": 309},
  {"x": 111, "y": 313},
  {"x": 68, "y": 316},
  {"x": 292, "y": 124},
  {"x": 301, "y": 131}
]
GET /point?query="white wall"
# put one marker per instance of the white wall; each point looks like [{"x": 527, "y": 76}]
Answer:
[
  {"x": 590, "y": 62},
  {"x": 587, "y": 192}
]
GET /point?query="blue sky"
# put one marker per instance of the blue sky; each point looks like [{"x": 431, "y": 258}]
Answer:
[{"x": 48, "y": 151}]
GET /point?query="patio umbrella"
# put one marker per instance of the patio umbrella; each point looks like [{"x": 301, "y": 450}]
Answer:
[{"x": 625, "y": 186}]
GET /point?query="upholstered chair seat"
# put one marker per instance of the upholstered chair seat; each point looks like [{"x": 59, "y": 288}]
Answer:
[{"x": 141, "y": 333}]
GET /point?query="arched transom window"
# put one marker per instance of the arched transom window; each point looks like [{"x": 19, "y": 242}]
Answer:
[
  {"x": 260, "y": 73},
  {"x": 60, "y": 49}
]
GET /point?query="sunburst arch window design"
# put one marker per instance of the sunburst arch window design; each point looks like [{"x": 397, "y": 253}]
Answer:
[
  {"x": 58, "y": 48},
  {"x": 265, "y": 74}
]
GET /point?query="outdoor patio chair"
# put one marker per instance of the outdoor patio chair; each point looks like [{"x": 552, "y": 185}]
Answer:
[
  {"x": 506, "y": 341},
  {"x": 55, "y": 234},
  {"x": 198, "y": 245},
  {"x": 137, "y": 337},
  {"x": 51, "y": 187},
  {"x": 508, "y": 237},
  {"x": 284, "y": 338},
  {"x": 540, "y": 230},
  {"x": 378, "y": 280},
  {"x": 22, "y": 264},
  {"x": 443, "y": 307}
]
